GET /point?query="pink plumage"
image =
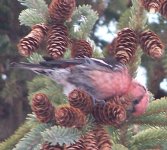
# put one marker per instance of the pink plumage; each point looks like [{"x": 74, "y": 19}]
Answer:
[
  {"x": 141, "y": 107},
  {"x": 139, "y": 96},
  {"x": 110, "y": 84}
]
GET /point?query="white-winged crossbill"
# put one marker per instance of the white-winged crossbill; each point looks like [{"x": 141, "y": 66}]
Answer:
[{"x": 102, "y": 79}]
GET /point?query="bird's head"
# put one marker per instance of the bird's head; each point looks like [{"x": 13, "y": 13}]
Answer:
[{"x": 139, "y": 97}]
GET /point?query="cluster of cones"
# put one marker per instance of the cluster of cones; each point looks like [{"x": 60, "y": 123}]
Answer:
[
  {"x": 124, "y": 46},
  {"x": 55, "y": 33},
  {"x": 155, "y": 6},
  {"x": 74, "y": 114}
]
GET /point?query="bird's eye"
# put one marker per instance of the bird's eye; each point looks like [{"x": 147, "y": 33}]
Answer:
[{"x": 136, "y": 101}]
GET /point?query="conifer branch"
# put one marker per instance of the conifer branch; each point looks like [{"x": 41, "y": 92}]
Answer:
[
  {"x": 133, "y": 66},
  {"x": 157, "y": 106},
  {"x": 39, "y": 5},
  {"x": 83, "y": 20},
  {"x": 31, "y": 118},
  {"x": 137, "y": 22},
  {"x": 124, "y": 19},
  {"x": 138, "y": 17},
  {"x": 48, "y": 87},
  {"x": 149, "y": 138},
  {"x": 119, "y": 147},
  {"x": 35, "y": 58},
  {"x": 36, "y": 13},
  {"x": 61, "y": 135},
  {"x": 30, "y": 17},
  {"x": 153, "y": 120},
  {"x": 115, "y": 134},
  {"x": 15, "y": 138},
  {"x": 32, "y": 139}
]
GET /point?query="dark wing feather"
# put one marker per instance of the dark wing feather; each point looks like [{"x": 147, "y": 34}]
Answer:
[
  {"x": 111, "y": 61},
  {"x": 62, "y": 63},
  {"x": 92, "y": 63},
  {"x": 25, "y": 65},
  {"x": 89, "y": 63},
  {"x": 108, "y": 64}
]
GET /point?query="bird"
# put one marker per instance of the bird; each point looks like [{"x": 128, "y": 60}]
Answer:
[{"x": 101, "y": 78}]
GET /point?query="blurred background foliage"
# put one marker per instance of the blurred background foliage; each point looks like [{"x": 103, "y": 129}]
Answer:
[{"x": 13, "y": 83}]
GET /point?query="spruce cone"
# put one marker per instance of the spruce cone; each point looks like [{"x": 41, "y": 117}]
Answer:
[
  {"x": 42, "y": 108},
  {"x": 47, "y": 146},
  {"x": 81, "y": 48},
  {"x": 77, "y": 146},
  {"x": 125, "y": 45},
  {"x": 89, "y": 141},
  {"x": 70, "y": 117},
  {"x": 57, "y": 40},
  {"x": 103, "y": 139},
  {"x": 152, "y": 5},
  {"x": 31, "y": 42},
  {"x": 109, "y": 114},
  {"x": 80, "y": 99},
  {"x": 123, "y": 101},
  {"x": 163, "y": 10},
  {"x": 61, "y": 10},
  {"x": 151, "y": 44}
]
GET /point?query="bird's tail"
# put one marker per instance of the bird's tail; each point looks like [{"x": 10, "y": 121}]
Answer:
[
  {"x": 47, "y": 66},
  {"x": 28, "y": 66}
]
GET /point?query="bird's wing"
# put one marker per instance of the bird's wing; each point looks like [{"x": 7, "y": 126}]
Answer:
[
  {"x": 108, "y": 64},
  {"x": 87, "y": 63},
  {"x": 25, "y": 65},
  {"x": 48, "y": 64},
  {"x": 62, "y": 63}
]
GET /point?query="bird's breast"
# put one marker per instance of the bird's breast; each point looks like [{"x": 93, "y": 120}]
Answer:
[{"x": 109, "y": 84}]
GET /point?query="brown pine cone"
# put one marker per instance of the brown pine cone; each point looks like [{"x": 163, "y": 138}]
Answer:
[
  {"x": 89, "y": 141},
  {"x": 47, "y": 146},
  {"x": 123, "y": 101},
  {"x": 57, "y": 40},
  {"x": 152, "y": 5},
  {"x": 163, "y": 9},
  {"x": 42, "y": 108},
  {"x": 103, "y": 138},
  {"x": 117, "y": 112},
  {"x": 31, "y": 42},
  {"x": 151, "y": 44},
  {"x": 109, "y": 114},
  {"x": 70, "y": 117},
  {"x": 80, "y": 99},
  {"x": 61, "y": 10},
  {"x": 125, "y": 45},
  {"x": 81, "y": 48}
]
